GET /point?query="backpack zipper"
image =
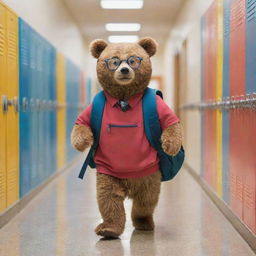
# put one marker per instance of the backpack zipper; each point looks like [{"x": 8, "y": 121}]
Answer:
[{"x": 121, "y": 126}]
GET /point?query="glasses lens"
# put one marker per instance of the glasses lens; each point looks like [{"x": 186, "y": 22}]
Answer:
[
  {"x": 134, "y": 62},
  {"x": 113, "y": 63}
]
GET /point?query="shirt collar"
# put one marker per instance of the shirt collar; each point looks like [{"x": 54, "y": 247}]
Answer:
[{"x": 132, "y": 101}]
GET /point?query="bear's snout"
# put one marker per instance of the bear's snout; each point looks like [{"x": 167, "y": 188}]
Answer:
[{"x": 125, "y": 71}]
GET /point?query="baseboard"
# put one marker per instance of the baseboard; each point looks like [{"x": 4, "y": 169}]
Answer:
[
  {"x": 242, "y": 229},
  {"x": 14, "y": 209}
]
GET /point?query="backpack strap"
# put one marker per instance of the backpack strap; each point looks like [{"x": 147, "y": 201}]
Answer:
[
  {"x": 151, "y": 121},
  {"x": 98, "y": 105}
]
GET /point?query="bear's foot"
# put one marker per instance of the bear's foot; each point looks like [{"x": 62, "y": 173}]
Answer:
[
  {"x": 143, "y": 223},
  {"x": 108, "y": 230}
]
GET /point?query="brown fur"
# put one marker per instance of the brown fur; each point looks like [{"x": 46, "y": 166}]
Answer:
[
  {"x": 111, "y": 193},
  {"x": 172, "y": 139},
  {"x": 81, "y": 137}
]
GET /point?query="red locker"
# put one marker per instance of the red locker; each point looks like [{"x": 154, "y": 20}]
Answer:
[
  {"x": 210, "y": 60},
  {"x": 237, "y": 118}
]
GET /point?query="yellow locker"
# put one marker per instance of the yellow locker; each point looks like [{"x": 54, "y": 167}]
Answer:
[
  {"x": 220, "y": 6},
  {"x": 61, "y": 114},
  {"x": 12, "y": 143},
  {"x": 3, "y": 52}
]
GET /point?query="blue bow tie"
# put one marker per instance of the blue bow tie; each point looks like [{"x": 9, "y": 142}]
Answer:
[{"x": 124, "y": 105}]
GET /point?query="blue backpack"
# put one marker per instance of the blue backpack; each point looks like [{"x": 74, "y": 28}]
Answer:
[{"x": 169, "y": 165}]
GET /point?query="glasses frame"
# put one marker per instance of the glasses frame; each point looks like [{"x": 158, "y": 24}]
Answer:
[{"x": 107, "y": 60}]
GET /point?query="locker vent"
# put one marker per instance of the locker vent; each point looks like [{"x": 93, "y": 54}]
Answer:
[
  {"x": 2, "y": 40},
  {"x": 24, "y": 52},
  {"x": 251, "y": 10},
  {"x": 12, "y": 181},
  {"x": 2, "y": 186},
  {"x": 12, "y": 43},
  {"x": 237, "y": 14}
]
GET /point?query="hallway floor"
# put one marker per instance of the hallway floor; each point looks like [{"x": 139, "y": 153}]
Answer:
[{"x": 62, "y": 218}]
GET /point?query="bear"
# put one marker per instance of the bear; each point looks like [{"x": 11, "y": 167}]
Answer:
[{"x": 127, "y": 165}]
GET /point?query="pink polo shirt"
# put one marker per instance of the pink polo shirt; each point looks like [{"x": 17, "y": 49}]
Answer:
[{"x": 124, "y": 150}]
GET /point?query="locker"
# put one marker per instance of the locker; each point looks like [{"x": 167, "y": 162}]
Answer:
[
  {"x": 34, "y": 105},
  {"x": 219, "y": 81},
  {"x": 226, "y": 93},
  {"x": 41, "y": 91},
  {"x": 3, "y": 67},
  {"x": 237, "y": 87},
  {"x": 249, "y": 192},
  {"x": 12, "y": 124},
  {"x": 61, "y": 112},
  {"x": 89, "y": 90},
  {"x": 52, "y": 114},
  {"x": 210, "y": 153},
  {"x": 72, "y": 97},
  {"x": 24, "y": 89}
]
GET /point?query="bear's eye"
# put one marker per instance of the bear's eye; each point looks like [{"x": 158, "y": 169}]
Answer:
[
  {"x": 113, "y": 63},
  {"x": 134, "y": 62}
]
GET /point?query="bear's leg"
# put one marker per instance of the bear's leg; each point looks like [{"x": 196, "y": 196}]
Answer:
[
  {"x": 145, "y": 200},
  {"x": 110, "y": 196}
]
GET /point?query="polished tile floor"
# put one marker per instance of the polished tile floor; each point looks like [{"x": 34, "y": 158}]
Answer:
[{"x": 62, "y": 218}]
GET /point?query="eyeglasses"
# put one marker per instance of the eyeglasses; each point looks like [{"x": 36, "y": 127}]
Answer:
[{"x": 113, "y": 63}]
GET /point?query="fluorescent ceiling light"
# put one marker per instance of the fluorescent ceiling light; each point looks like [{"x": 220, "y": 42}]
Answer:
[
  {"x": 123, "y": 39},
  {"x": 121, "y": 4},
  {"x": 123, "y": 27}
]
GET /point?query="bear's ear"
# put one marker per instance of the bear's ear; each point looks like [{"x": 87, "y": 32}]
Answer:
[
  {"x": 149, "y": 45},
  {"x": 97, "y": 46}
]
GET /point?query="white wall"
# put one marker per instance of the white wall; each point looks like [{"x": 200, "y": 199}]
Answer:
[
  {"x": 52, "y": 20},
  {"x": 187, "y": 26}
]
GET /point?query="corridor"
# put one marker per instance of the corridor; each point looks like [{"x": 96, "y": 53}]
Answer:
[
  {"x": 148, "y": 91},
  {"x": 62, "y": 218}
]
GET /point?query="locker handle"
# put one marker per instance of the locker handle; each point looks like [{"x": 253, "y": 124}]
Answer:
[
  {"x": 16, "y": 104},
  {"x": 38, "y": 105},
  {"x": 32, "y": 105},
  {"x": 5, "y": 103},
  {"x": 24, "y": 104}
]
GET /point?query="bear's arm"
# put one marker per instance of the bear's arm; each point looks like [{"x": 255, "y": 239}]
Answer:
[
  {"x": 81, "y": 135},
  {"x": 171, "y": 138}
]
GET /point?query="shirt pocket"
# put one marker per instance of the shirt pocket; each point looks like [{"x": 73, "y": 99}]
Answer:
[{"x": 122, "y": 127}]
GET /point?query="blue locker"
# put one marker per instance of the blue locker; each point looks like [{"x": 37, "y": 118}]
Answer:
[
  {"x": 24, "y": 95},
  {"x": 226, "y": 93},
  {"x": 72, "y": 98},
  {"x": 52, "y": 97},
  {"x": 34, "y": 107},
  {"x": 88, "y": 90},
  {"x": 40, "y": 91}
]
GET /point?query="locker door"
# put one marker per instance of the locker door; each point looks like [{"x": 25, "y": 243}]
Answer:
[
  {"x": 210, "y": 153},
  {"x": 237, "y": 87},
  {"x": 226, "y": 93},
  {"x": 52, "y": 96},
  {"x": 12, "y": 116},
  {"x": 24, "y": 89},
  {"x": 61, "y": 112},
  {"x": 3, "y": 69},
  {"x": 219, "y": 81},
  {"x": 249, "y": 200},
  {"x": 33, "y": 111}
]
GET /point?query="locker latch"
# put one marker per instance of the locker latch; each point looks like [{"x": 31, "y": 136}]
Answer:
[{"x": 5, "y": 103}]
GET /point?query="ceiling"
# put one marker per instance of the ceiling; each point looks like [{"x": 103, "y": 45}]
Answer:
[{"x": 156, "y": 18}]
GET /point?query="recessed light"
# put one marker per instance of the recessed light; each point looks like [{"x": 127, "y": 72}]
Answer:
[
  {"x": 121, "y": 4},
  {"x": 123, "y": 39},
  {"x": 123, "y": 26}
]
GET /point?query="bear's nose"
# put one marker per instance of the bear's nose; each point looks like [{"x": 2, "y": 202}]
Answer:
[{"x": 124, "y": 71}]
